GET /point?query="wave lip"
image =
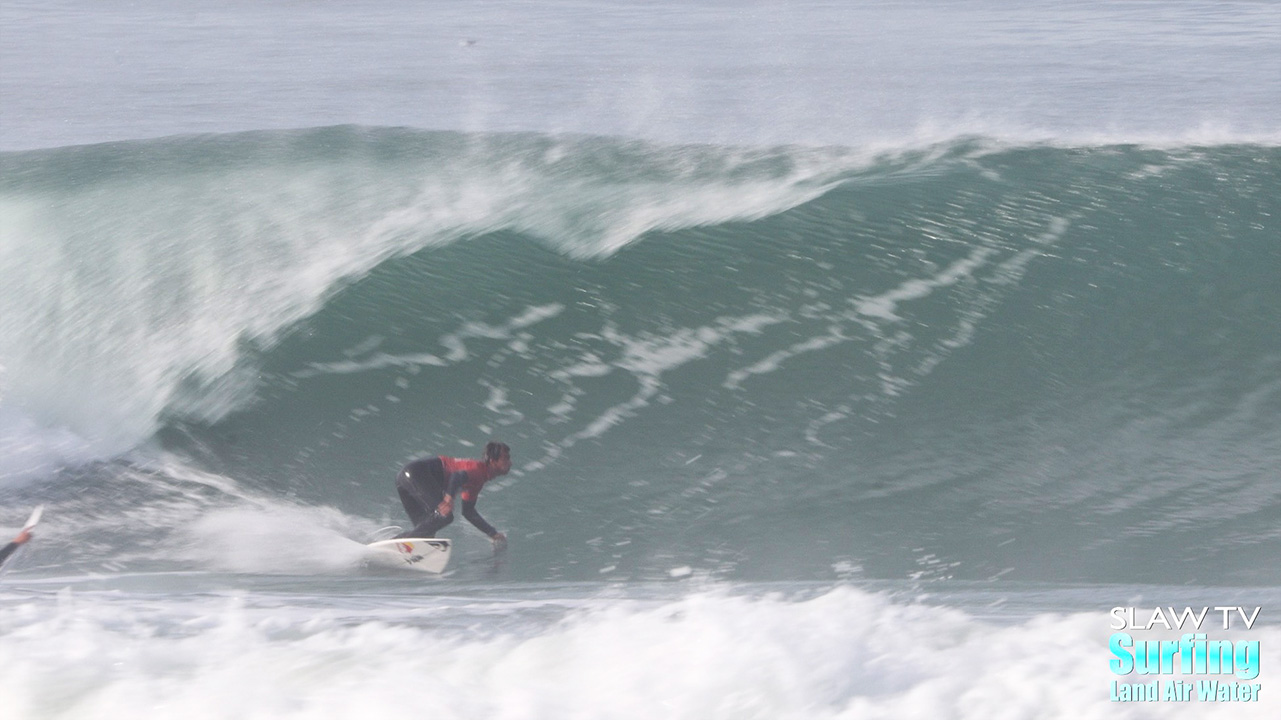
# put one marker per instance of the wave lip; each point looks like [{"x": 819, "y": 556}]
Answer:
[{"x": 144, "y": 273}]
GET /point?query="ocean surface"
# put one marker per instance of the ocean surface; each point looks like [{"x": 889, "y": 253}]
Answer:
[{"x": 856, "y": 359}]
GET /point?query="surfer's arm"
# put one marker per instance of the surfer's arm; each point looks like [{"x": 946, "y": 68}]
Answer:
[
  {"x": 469, "y": 512},
  {"x": 22, "y": 537}
]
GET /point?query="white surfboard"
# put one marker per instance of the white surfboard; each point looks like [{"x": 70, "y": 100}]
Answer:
[
  {"x": 426, "y": 554},
  {"x": 35, "y": 517}
]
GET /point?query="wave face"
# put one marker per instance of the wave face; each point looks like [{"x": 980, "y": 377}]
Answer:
[{"x": 970, "y": 360}]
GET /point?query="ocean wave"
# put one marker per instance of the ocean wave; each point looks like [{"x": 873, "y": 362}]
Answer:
[
  {"x": 673, "y": 335},
  {"x": 141, "y": 272}
]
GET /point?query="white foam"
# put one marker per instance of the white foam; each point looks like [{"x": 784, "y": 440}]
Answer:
[
  {"x": 29, "y": 451},
  {"x": 455, "y": 343},
  {"x": 844, "y": 655},
  {"x": 272, "y": 538},
  {"x": 884, "y": 307},
  {"x": 646, "y": 357}
]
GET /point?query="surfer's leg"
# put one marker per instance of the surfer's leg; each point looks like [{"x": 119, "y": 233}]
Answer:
[
  {"x": 414, "y": 507},
  {"x": 422, "y": 486},
  {"x": 429, "y": 527}
]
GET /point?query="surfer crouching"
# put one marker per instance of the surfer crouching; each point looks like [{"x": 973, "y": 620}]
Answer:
[{"x": 429, "y": 486}]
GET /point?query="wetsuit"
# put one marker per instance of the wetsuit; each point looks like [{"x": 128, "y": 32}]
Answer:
[
  {"x": 423, "y": 484},
  {"x": 7, "y": 551}
]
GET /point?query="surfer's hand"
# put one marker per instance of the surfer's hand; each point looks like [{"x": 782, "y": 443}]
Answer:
[
  {"x": 23, "y": 536},
  {"x": 500, "y": 541},
  {"x": 445, "y": 507}
]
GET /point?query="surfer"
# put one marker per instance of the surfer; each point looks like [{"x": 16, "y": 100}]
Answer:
[
  {"x": 8, "y": 550},
  {"x": 428, "y": 488}
]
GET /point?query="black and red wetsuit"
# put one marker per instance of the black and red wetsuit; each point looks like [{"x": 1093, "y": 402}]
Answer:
[{"x": 422, "y": 484}]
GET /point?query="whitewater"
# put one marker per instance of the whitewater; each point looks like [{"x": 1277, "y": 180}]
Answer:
[{"x": 856, "y": 362}]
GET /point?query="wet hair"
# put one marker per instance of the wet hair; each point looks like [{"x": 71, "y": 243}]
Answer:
[{"x": 495, "y": 450}]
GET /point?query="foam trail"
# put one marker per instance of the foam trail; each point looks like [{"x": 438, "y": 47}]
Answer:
[{"x": 272, "y": 539}]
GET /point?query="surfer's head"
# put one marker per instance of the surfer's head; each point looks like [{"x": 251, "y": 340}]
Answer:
[{"x": 498, "y": 457}]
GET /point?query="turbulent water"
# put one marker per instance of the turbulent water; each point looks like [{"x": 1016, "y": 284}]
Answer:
[{"x": 800, "y": 429}]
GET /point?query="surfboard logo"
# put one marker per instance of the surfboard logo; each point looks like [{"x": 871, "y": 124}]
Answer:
[{"x": 428, "y": 554}]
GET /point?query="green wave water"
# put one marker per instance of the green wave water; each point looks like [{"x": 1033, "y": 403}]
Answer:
[{"x": 971, "y": 360}]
